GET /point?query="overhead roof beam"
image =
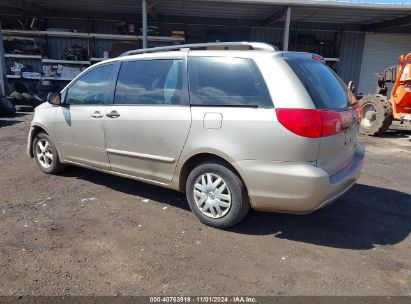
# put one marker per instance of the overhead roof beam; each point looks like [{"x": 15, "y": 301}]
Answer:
[
  {"x": 27, "y": 7},
  {"x": 144, "y": 19},
  {"x": 389, "y": 23},
  {"x": 330, "y": 4},
  {"x": 274, "y": 17},
  {"x": 287, "y": 22}
]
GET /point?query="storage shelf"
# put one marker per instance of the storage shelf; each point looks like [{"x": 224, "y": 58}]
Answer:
[
  {"x": 91, "y": 35},
  {"x": 162, "y": 39},
  {"x": 22, "y": 56},
  {"x": 32, "y": 78},
  {"x": 45, "y": 33},
  {"x": 45, "y": 60},
  {"x": 96, "y": 59},
  {"x": 113, "y": 36},
  {"x": 13, "y": 76},
  {"x": 37, "y": 78},
  {"x": 57, "y": 78}
]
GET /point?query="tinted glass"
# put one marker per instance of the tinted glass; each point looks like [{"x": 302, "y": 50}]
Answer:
[
  {"x": 224, "y": 81},
  {"x": 326, "y": 89},
  {"x": 91, "y": 88},
  {"x": 150, "y": 82}
]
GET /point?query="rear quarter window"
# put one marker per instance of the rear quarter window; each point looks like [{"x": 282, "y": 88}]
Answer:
[
  {"x": 226, "y": 81},
  {"x": 323, "y": 85}
]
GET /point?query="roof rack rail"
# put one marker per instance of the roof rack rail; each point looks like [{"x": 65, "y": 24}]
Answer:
[{"x": 260, "y": 46}]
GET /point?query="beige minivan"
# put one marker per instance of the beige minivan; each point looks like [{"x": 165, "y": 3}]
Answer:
[{"x": 233, "y": 125}]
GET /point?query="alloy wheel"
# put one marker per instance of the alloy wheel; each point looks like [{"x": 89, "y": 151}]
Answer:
[{"x": 44, "y": 153}]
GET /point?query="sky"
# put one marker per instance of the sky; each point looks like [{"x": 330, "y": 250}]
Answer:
[{"x": 375, "y": 1}]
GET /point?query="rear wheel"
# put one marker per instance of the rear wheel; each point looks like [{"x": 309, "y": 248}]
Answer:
[
  {"x": 376, "y": 114},
  {"x": 216, "y": 195}
]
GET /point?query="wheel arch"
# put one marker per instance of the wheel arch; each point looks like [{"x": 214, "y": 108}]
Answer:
[
  {"x": 199, "y": 158},
  {"x": 34, "y": 130}
]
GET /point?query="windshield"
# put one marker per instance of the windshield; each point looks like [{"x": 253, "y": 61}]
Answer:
[{"x": 326, "y": 89}]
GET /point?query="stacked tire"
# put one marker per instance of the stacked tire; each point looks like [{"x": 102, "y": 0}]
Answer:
[
  {"x": 24, "y": 101},
  {"x": 7, "y": 107}
]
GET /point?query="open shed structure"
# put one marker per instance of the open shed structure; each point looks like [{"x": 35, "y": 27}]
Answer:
[{"x": 358, "y": 39}]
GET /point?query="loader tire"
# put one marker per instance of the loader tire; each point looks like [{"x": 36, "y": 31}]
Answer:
[{"x": 376, "y": 115}]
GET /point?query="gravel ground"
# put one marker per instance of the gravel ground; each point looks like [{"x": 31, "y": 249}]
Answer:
[{"x": 87, "y": 233}]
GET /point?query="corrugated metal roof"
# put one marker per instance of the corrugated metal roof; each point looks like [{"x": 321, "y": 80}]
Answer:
[
  {"x": 95, "y": 6},
  {"x": 214, "y": 9},
  {"x": 303, "y": 11}
]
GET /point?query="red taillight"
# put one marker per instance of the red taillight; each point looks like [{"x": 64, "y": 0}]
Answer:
[
  {"x": 332, "y": 123},
  {"x": 317, "y": 57},
  {"x": 310, "y": 123}
]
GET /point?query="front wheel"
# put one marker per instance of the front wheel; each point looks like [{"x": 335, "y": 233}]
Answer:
[
  {"x": 216, "y": 195},
  {"x": 46, "y": 155}
]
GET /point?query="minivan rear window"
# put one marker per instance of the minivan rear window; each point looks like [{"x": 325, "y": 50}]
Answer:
[{"x": 326, "y": 89}]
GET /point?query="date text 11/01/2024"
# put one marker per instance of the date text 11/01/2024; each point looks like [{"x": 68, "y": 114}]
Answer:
[{"x": 203, "y": 299}]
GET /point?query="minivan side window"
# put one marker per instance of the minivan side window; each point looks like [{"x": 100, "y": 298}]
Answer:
[
  {"x": 227, "y": 81},
  {"x": 150, "y": 82},
  {"x": 91, "y": 88}
]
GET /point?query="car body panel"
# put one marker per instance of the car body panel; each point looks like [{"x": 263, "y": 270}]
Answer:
[
  {"x": 43, "y": 119},
  {"x": 337, "y": 151},
  {"x": 147, "y": 141},
  {"x": 80, "y": 136},
  {"x": 248, "y": 133},
  {"x": 296, "y": 187}
]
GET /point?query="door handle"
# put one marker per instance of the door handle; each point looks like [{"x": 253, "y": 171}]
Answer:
[
  {"x": 97, "y": 114},
  {"x": 113, "y": 114}
]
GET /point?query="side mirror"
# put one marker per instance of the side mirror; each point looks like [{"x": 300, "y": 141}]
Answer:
[{"x": 54, "y": 98}]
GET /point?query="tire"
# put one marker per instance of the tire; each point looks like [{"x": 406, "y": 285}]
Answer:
[
  {"x": 19, "y": 87},
  {"x": 16, "y": 96},
  {"x": 36, "y": 101},
  {"x": 376, "y": 114},
  {"x": 48, "y": 164},
  {"x": 198, "y": 186},
  {"x": 19, "y": 99},
  {"x": 6, "y": 106}
]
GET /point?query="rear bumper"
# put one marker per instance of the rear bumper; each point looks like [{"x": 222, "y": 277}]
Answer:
[{"x": 296, "y": 187}]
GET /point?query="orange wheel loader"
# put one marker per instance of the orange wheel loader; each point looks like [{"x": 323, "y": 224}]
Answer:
[{"x": 378, "y": 111}]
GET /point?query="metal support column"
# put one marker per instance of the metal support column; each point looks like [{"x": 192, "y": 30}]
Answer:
[
  {"x": 2, "y": 66},
  {"x": 144, "y": 12},
  {"x": 286, "y": 36}
]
